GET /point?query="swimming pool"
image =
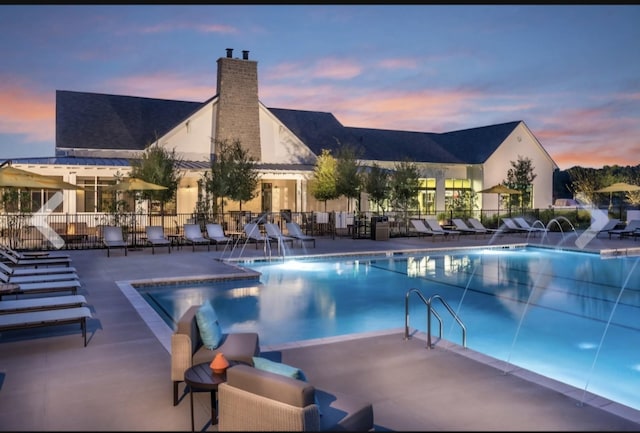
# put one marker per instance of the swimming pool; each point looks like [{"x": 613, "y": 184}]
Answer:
[{"x": 571, "y": 316}]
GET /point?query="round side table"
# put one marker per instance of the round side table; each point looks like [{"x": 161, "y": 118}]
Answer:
[{"x": 201, "y": 377}]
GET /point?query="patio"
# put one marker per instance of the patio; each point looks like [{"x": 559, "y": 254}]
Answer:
[{"x": 120, "y": 381}]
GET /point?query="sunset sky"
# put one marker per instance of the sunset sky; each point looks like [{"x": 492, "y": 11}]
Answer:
[{"x": 571, "y": 73}]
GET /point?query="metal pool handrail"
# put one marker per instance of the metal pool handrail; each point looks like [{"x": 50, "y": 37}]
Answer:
[{"x": 431, "y": 311}]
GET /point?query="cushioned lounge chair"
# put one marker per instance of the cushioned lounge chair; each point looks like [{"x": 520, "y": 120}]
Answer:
[
  {"x": 193, "y": 236},
  {"x": 216, "y": 236},
  {"x": 41, "y": 303},
  {"x": 253, "y": 234},
  {"x": 628, "y": 230},
  {"x": 477, "y": 224},
  {"x": 33, "y": 319},
  {"x": 436, "y": 228},
  {"x": 422, "y": 230},
  {"x": 40, "y": 287},
  {"x": 275, "y": 234},
  {"x": 113, "y": 238},
  {"x": 29, "y": 270},
  {"x": 510, "y": 226},
  {"x": 525, "y": 224},
  {"x": 294, "y": 230},
  {"x": 33, "y": 261},
  {"x": 156, "y": 238},
  {"x": 21, "y": 279},
  {"x": 462, "y": 227},
  {"x": 609, "y": 225}
]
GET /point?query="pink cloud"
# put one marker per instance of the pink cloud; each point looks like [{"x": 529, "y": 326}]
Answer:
[
  {"x": 399, "y": 63},
  {"x": 26, "y": 112},
  {"x": 203, "y": 28}
]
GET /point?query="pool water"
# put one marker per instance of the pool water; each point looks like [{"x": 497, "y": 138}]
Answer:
[{"x": 570, "y": 316}]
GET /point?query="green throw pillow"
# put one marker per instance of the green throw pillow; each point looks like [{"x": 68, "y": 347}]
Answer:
[{"x": 208, "y": 325}]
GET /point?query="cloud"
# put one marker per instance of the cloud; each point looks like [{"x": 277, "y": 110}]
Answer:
[{"x": 26, "y": 112}]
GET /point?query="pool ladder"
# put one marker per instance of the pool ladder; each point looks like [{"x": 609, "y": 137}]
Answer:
[{"x": 430, "y": 311}]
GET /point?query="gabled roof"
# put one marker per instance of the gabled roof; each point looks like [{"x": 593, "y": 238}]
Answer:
[
  {"x": 100, "y": 121},
  {"x": 320, "y": 130}
]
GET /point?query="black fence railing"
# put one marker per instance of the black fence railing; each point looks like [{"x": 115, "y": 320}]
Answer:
[{"x": 84, "y": 230}]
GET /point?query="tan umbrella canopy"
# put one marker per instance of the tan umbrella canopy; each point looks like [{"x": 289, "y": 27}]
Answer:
[
  {"x": 135, "y": 184},
  {"x": 17, "y": 178},
  {"x": 619, "y": 187},
  {"x": 500, "y": 189}
]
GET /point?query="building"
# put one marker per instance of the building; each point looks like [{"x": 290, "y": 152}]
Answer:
[{"x": 98, "y": 134}]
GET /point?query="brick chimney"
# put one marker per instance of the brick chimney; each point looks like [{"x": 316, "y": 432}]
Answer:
[{"x": 237, "y": 115}]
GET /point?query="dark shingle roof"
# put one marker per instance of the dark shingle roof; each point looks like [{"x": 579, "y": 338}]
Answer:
[
  {"x": 100, "y": 121},
  {"x": 320, "y": 130}
]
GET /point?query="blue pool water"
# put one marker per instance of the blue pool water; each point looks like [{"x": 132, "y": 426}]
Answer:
[{"x": 570, "y": 316}]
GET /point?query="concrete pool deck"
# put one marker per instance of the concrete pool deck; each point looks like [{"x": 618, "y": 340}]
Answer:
[{"x": 121, "y": 381}]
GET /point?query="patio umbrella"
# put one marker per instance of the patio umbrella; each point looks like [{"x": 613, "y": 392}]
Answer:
[
  {"x": 17, "y": 178},
  {"x": 500, "y": 189},
  {"x": 131, "y": 184},
  {"x": 618, "y": 187}
]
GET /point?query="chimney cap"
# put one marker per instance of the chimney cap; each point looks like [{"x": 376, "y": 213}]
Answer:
[
  {"x": 229, "y": 52},
  {"x": 245, "y": 54}
]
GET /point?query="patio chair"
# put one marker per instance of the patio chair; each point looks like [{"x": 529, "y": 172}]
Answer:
[
  {"x": 525, "y": 224},
  {"x": 156, "y": 238},
  {"x": 609, "y": 225},
  {"x": 510, "y": 226},
  {"x": 436, "y": 228},
  {"x": 41, "y": 303},
  {"x": 112, "y": 238},
  {"x": 193, "y": 236},
  {"x": 462, "y": 227},
  {"x": 294, "y": 230},
  {"x": 275, "y": 234},
  {"x": 253, "y": 234},
  {"x": 423, "y": 230},
  {"x": 13, "y": 271},
  {"x": 477, "y": 224},
  {"x": 37, "y": 287},
  {"x": 628, "y": 230},
  {"x": 215, "y": 234},
  {"x": 33, "y": 259},
  {"x": 33, "y": 319}
]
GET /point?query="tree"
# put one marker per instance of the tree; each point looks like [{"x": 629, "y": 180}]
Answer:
[
  {"x": 233, "y": 174},
  {"x": 376, "y": 184},
  {"x": 520, "y": 176},
  {"x": 348, "y": 181},
  {"x": 404, "y": 186},
  {"x": 160, "y": 166},
  {"x": 323, "y": 185}
]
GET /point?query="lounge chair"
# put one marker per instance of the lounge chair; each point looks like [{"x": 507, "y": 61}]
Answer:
[
  {"x": 38, "y": 287},
  {"x": 275, "y": 234},
  {"x": 193, "y": 236},
  {"x": 294, "y": 230},
  {"x": 41, "y": 303},
  {"x": 25, "y": 270},
  {"x": 436, "y": 228},
  {"x": 525, "y": 224},
  {"x": 253, "y": 234},
  {"x": 628, "y": 230},
  {"x": 477, "y": 224},
  {"x": 33, "y": 319},
  {"x": 609, "y": 225},
  {"x": 14, "y": 259},
  {"x": 215, "y": 234},
  {"x": 462, "y": 227},
  {"x": 423, "y": 230},
  {"x": 113, "y": 238},
  {"x": 156, "y": 238},
  {"x": 510, "y": 226}
]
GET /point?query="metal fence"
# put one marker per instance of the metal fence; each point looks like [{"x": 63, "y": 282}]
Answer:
[{"x": 84, "y": 230}]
